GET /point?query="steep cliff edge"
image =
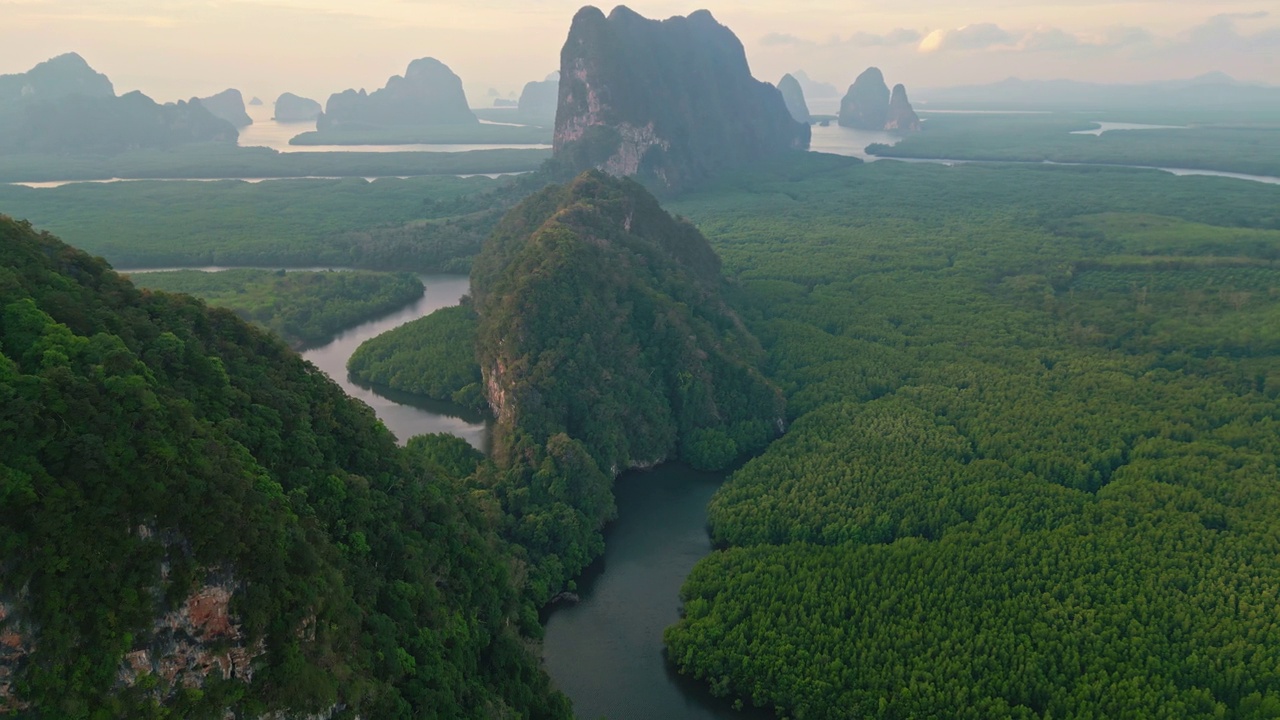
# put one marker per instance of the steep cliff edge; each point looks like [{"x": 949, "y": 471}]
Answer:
[
  {"x": 670, "y": 102},
  {"x": 198, "y": 523}
]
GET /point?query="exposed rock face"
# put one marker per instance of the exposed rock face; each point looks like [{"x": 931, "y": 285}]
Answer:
[
  {"x": 58, "y": 77},
  {"x": 869, "y": 106},
  {"x": 428, "y": 94},
  {"x": 293, "y": 108},
  {"x": 671, "y": 102},
  {"x": 194, "y": 643},
  {"x": 539, "y": 98},
  {"x": 866, "y": 105},
  {"x": 901, "y": 115},
  {"x": 16, "y": 645},
  {"x": 228, "y": 105},
  {"x": 793, "y": 96}
]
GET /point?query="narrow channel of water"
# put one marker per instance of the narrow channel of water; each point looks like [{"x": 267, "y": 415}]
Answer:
[
  {"x": 606, "y": 652},
  {"x": 405, "y": 415}
]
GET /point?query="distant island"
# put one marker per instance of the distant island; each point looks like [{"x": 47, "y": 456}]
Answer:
[
  {"x": 793, "y": 95},
  {"x": 55, "y": 78},
  {"x": 228, "y": 105},
  {"x": 869, "y": 105},
  {"x": 539, "y": 99},
  {"x": 294, "y": 108},
  {"x": 428, "y": 93},
  {"x": 63, "y": 106},
  {"x": 814, "y": 89}
]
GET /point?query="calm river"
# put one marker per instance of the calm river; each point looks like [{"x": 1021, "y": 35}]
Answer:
[
  {"x": 405, "y": 415},
  {"x": 605, "y": 652}
]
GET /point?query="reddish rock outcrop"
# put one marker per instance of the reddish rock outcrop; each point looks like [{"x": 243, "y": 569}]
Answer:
[
  {"x": 194, "y": 642},
  {"x": 15, "y": 647},
  {"x": 186, "y": 647}
]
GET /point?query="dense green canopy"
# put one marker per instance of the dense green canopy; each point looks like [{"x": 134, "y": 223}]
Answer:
[
  {"x": 605, "y": 343},
  {"x": 433, "y": 356},
  {"x": 149, "y": 444},
  {"x": 1033, "y": 470},
  {"x": 303, "y": 308}
]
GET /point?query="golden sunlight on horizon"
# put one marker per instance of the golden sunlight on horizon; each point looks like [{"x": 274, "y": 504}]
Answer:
[{"x": 174, "y": 49}]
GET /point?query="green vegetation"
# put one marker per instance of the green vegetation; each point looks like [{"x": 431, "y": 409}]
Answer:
[
  {"x": 141, "y": 431},
  {"x": 605, "y": 344},
  {"x": 304, "y": 308},
  {"x": 413, "y": 224},
  {"x": 1031, "y": 472},
  {"x": 478, "y": 134},
  {"x": 218, "y": 161},
  {"x": 420, "y": 224},
  {"x": 1033, "y": 467},
  {"x": 433, "y": 356},
  {"x": 1253, "y": 150}
]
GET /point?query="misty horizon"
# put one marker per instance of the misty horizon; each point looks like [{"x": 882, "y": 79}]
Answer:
[{"x": 170, "y": 52}]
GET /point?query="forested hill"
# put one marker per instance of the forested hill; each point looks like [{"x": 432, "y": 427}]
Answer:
[
  {"x": 193, "y": 520},
  {"x": 601, "y": 316},
  {"x": 603, "y": 338}
]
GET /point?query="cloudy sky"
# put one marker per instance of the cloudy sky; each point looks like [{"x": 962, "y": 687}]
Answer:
[{"x": 178, "y": 48}]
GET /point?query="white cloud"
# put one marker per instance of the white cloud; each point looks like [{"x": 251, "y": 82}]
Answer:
[
  {"x": 1223, "y": 31},
  {"x": 979, "y": 36}
]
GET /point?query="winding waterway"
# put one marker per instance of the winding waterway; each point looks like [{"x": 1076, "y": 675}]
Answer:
[
  {"x": 405, "y": 415},
  {"x": 604, "y": 652}
]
